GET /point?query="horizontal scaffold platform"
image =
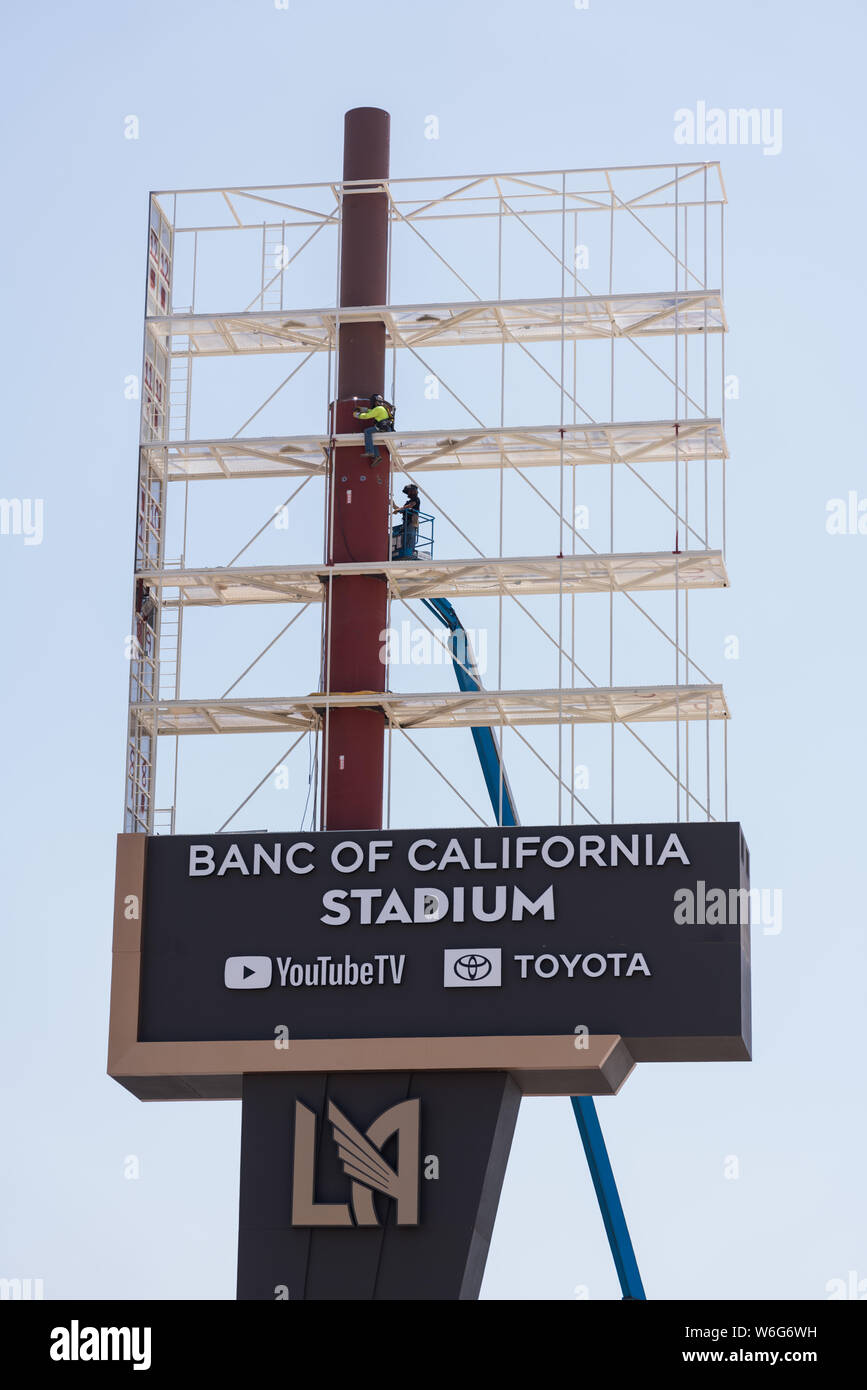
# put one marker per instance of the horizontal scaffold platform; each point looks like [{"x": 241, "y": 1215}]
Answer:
[
  {"x": 475, "y": 578},
  {"x": 512, "y": 446},
  {"x": 443, "y": 709},
  {"x": 652, "y": 314}
]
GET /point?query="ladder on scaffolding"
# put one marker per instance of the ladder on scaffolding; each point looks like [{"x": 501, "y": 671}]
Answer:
[
  {"x": 171, "y": 619},
  {"x": 275, "y": 258}
]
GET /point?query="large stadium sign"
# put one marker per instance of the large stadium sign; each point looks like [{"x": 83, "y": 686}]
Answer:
[{"x": 559, "y": 954}]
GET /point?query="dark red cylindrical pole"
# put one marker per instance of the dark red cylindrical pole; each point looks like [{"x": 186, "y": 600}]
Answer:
[{"x": 358, "y": 521}]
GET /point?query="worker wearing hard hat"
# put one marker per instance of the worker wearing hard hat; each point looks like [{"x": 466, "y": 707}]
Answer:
[
  {"x": 405, "y": 535},
  {"x": 381, "y": 415}
]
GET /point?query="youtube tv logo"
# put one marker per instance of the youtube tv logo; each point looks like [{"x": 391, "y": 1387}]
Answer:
[{"x": 248, "y": 972}]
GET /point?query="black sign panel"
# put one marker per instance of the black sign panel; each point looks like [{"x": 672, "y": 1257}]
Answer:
[{"x": 637, "y": 930}]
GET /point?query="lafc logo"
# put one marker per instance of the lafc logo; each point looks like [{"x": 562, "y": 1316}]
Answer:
[{"x": 362, "y": 1162}]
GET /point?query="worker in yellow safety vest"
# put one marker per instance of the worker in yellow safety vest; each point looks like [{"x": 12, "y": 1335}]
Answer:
[{"x": 381, "y": 415}]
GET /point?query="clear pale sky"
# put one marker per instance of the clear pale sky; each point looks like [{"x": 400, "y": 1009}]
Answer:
[{"x": 239, "y": 91}]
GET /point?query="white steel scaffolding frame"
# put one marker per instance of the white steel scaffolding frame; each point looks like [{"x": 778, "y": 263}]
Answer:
[{"x": 648, "y": 242}]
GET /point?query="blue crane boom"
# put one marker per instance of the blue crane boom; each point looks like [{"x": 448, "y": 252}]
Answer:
[
  {"x": 484, "y": 738},
  {"x": 502, "y": 801}
]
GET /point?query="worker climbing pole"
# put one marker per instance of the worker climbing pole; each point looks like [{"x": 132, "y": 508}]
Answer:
[{"x": 378, "y": 419}]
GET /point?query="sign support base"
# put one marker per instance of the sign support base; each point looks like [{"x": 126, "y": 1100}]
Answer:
[{"x": 466, "y": 1121}]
